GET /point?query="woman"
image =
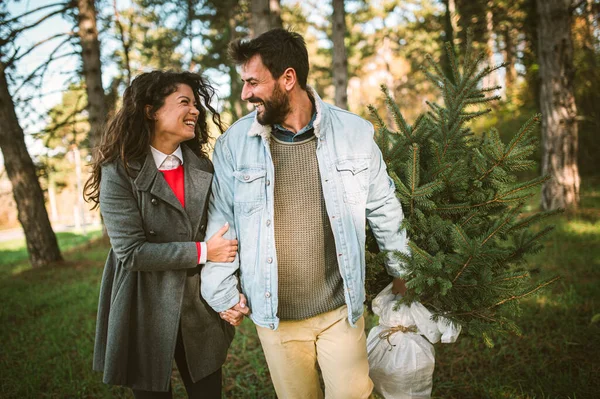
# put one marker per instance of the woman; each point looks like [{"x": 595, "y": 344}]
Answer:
[{"x": 151, "y": 178}]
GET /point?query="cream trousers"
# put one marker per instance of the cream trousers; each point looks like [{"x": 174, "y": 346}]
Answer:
[{"x": 294, "y": 349}]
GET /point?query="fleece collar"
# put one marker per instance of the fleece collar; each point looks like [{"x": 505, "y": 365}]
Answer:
[{"x": 265, "y": 131}]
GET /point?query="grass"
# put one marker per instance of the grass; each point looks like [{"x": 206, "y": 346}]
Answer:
[{"x": 48, "y": 320}]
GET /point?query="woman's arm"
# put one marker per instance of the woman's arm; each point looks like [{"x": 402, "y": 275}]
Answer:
[{"x": 124, "y": 224}]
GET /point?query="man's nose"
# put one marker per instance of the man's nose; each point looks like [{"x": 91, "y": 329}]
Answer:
[{"x": 246, "y": 92}]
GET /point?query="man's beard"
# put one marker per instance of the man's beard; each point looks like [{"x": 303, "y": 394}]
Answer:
[{"x": 275, "y": 110}]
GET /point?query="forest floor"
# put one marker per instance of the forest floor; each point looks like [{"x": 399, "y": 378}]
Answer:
[{"x": 48, "y": 318}]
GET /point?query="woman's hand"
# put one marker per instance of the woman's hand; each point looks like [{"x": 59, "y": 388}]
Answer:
[
  {"x": 235, "y": 315},
  {"x": 220, "y": 249}
]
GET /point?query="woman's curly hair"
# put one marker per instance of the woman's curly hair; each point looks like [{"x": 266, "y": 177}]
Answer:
[{"x": 129, "y": 133}]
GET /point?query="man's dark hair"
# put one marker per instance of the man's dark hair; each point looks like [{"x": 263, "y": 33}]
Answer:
[{"x": 278, "y": 48}]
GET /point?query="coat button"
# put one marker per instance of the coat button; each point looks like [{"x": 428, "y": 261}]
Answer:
[
  {"x": 152, "y": 232},
  {"x": 267, "y": 294},
  {"x": 154, "y": 201},
  {"x": 202, "y": 227}
]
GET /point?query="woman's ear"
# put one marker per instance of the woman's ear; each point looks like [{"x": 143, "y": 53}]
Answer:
[{"x": 148, "y": 112}]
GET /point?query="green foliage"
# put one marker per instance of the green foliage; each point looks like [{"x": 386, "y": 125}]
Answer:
[
  {"x": 463, "y": 203},
  {"x": 48, "y": 319}
]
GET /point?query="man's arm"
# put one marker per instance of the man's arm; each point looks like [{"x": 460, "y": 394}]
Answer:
[
  {"x": 384, "y": 214},
  {"x": 219, "y": 282}
]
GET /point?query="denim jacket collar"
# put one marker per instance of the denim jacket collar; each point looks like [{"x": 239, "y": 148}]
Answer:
[{"x": 265, "y": 131}]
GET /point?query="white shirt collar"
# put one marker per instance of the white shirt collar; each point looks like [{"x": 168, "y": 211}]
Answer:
[{"x": 159, "y": 157}]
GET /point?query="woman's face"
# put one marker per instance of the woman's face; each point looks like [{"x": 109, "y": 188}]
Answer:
[{"x": 175, "y": 121}]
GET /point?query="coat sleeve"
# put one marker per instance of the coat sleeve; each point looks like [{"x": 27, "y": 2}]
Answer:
[
  {"x": 384, "y": 213},
  {"x": 219, "y": 280},
  {"x": 124, "y": 224}
]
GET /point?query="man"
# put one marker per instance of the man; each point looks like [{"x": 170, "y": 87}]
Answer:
[{"x": 295, "y": 180}]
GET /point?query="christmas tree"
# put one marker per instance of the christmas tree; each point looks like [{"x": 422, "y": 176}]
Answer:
[{"x": 463, "y": 204}]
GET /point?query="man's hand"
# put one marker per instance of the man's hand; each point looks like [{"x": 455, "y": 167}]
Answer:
[
  {"x": 399, "y": 286},
  {"x": 235, "y": 315}
]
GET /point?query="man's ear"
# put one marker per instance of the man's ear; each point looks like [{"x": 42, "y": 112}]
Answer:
[
  {"x": 289, "y": 79},
  {"x": 148, "y": 112}
]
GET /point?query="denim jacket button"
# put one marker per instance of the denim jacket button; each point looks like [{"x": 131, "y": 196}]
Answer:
[
  {"x": 268, "y": 182},
  {"x": 272, "y": 326},
  {"x": 269, "y": 260},
  {"x": 267, "y": 294},
  {"x": 268, "y": 222},
  {"x": 246, "y": 177}
]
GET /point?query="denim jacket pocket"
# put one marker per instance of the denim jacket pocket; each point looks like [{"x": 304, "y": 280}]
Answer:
[
  {"x": 355, "y": 177},
  {"x": 249, "y": 185}
]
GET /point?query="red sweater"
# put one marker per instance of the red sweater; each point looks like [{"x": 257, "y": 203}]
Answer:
[{"x": 175, "y": 180}]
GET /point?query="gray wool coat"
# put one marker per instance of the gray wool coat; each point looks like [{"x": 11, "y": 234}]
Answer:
[{"x": 151, "y": 281}]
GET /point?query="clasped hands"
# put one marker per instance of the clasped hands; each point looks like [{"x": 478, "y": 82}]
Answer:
[{"x": 235, "y": 315}]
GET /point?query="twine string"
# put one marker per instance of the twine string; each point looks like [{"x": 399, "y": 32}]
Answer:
[{"x": 388, "y": 332}]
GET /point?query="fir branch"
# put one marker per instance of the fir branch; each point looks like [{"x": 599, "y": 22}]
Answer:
[
  {"x": 525, "y": 129},
  {"x": 469, "y": 71},
  {"x": 526, "y": 222},
  {"x": 527, "y": 185},
  {"x": 452, "y": 58},
  {"x": 481, "y": 100},
  {"x": 440, "y": 74},
  {"x": 468, "y": 219},
  {"x": 416, "y": 250},
  {"x": 467, "y": 116},
  {"x": 463, "y": 268},
  {"x": 375, "y": 114},
  {"x": 521, "y": 276},
  {"x": 504, "y": 222},
  {"x": 521, "y": 296},
  {"x": 488, "y": 70},
  {"x": 398, "y": 117},
  {"x": 490, "y": 89}
]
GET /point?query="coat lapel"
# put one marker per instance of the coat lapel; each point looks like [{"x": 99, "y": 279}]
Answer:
[
  {"x": 150, "y": 179},
  {"x": 198, "y": 178}
]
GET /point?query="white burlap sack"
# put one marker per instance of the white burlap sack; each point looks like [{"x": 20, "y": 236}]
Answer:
[{"x": 400, "y": 350}]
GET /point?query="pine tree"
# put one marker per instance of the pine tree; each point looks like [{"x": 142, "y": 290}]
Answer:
[{"x": 463, "y": 204}]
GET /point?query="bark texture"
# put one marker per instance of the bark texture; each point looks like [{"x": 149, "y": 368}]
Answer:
[
  {"x": 39, "y": 236},
  {"x": 92, "y": 69},
  {"x": 557, "y": 103},
  {"x": 340, "y": 59}
]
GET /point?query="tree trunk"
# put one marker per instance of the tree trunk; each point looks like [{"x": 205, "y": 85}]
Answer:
[
  {"x": 235, "y": 93},
  {"x": 340, "y": 60},
  {"x": 261, "y": 16},
  {"x": 276, "y": 21},
  {"x": 509, "y": 58},
  {"x": 125, "y": 42},
  {"x": 491, "y": 79},
  {"x": 41, "y": 240},
  {"x": 92, "y": 69},
  {"x": 449, "y": 31},
  {"x": 557, "y": 103}
]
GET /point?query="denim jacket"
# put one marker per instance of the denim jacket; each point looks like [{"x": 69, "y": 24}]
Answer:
[{"x": 356, "y": 188}]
